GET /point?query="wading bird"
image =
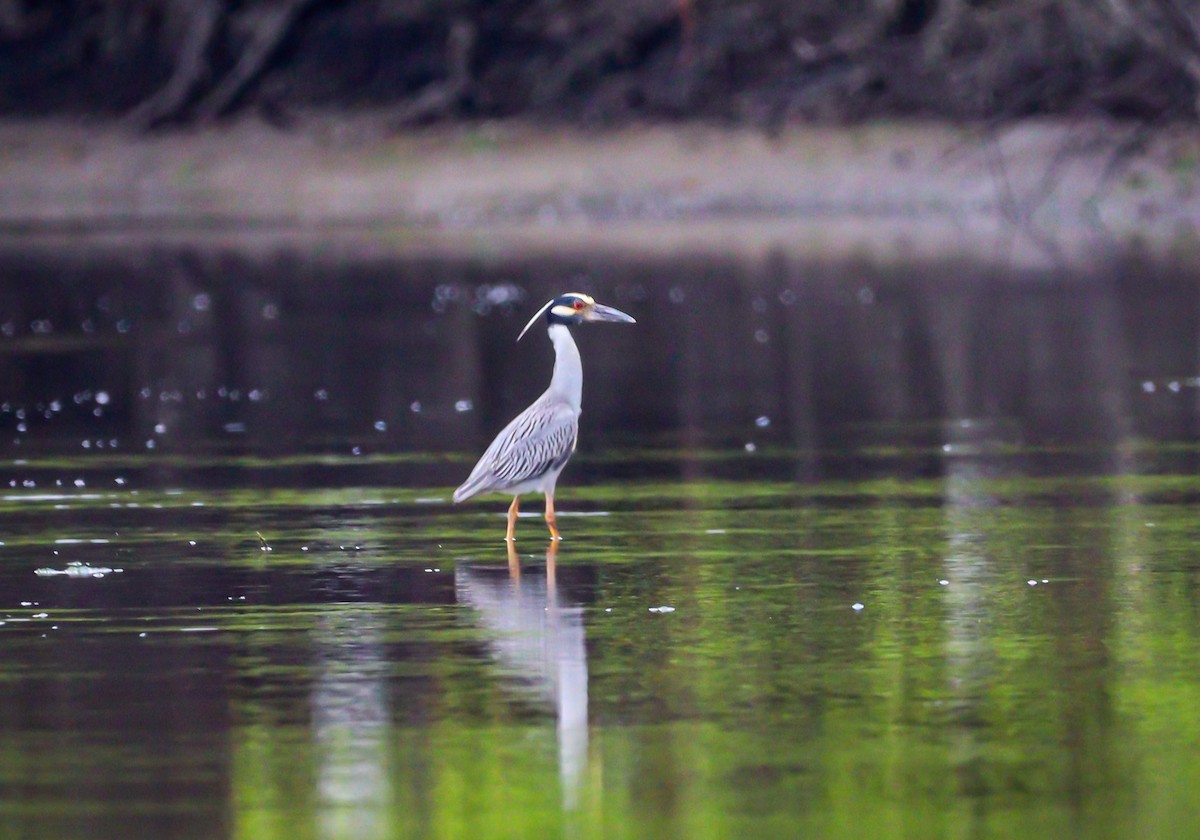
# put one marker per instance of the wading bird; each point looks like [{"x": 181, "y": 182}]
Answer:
[{"x": 532, "y": 450}]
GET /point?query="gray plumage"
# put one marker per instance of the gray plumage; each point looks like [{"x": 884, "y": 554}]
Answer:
[
  {"x": 532, "y": 450},
  {"x": 537, "y": 443}
]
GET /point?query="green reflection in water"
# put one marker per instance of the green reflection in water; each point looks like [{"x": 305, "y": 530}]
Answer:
[{"x": 1025, "y": 661}]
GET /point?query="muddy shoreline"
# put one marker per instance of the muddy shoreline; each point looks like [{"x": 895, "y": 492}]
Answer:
[{"x": 1033, "y": 193}]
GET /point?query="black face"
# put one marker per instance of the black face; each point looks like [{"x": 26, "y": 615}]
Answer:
[{"x": 568, "y": 310}]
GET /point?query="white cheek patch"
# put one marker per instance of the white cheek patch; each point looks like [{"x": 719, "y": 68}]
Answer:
[{"x": 563, "y": 311}]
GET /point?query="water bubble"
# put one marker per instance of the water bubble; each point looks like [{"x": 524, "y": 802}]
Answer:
[
  {"x": 463, "y": 405},
  {"x": 1174, "y": 386},
  {"x": 943, "y": 582},
  {"x": 1148, "y": 387},
  {"x": 150, "y": 443},
  {"x": 21, "y": 427},
  {"x": 86, "y": 444},
  {"x": 20, "y": 414},
  {"x": 119, "y": 480},
  {"x": 41, "y": 326},
  {"x": 79, "y": 482},
  {"x": 356, "y": 450},
  {"x": 866, "y": 295},
  {"x": 144, "y": 393},
  {"x": 763, "y": 421},
  {"x": 759, "y": 305},
  {"x": 201, "y": 302},
  {"x": 856, "y": 606},
  {"x": 380, "y": 426},
  {"x": 160, "y": 428},
  {"x": 55, "y": 405},
  {"x": 415, "y": 407},
  {"x": 124, "y": 325},
  {"x": 102, "y": 397},
  {"x": 9, "y": 329},
  {"x": 256, "y": 395},
  {"x": 787, "y": 297},
  {"x": 750, "y": 447},
  {"x": 1031, "y": 582},
  {"x": 761, "y": 336},
  {"x": 662, "y": 609},
  {"x": 270, "y": 311},
  {"x": 676, "y": 295},
  {"x": 321, "y": 394}
]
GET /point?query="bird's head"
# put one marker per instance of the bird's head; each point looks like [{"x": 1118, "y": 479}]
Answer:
[{"x": 576, "y": 308}]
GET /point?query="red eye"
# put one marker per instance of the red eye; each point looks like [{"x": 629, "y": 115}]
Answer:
[{"x": 578, "y": 305}]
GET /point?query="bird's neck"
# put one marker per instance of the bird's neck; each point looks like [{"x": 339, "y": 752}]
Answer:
[{"x": 567, "y": 382}]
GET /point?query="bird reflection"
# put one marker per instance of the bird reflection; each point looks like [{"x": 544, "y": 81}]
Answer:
[{"x": 539, "y": 638}]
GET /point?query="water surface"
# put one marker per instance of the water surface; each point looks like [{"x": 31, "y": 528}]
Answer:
[{"x": 849, "y": 551}]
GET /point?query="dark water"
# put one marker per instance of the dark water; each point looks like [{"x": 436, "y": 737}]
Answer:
[{"x": 850, "y": 551}]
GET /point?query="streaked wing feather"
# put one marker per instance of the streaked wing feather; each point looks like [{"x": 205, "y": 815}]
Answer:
[{"x": 539, "y": 439}]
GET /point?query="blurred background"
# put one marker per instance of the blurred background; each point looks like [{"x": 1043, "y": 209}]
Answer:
[{"x": 883, "y": 517}]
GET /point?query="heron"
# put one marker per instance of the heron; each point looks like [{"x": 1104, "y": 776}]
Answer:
[{"x": 530, "y": 452}]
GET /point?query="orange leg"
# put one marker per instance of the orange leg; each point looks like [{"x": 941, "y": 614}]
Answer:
[
  {"x": 512, "y": 518},
  {"x": 551, "y": 520}
]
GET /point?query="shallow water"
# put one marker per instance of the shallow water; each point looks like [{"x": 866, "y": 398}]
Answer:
[{"x": 910, "y": 567}]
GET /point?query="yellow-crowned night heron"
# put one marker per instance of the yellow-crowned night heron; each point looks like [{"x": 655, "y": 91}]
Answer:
[{"x": 532, "y": 450}]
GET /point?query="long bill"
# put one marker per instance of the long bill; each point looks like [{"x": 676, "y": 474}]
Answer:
[{"x": 600, "y": 312}]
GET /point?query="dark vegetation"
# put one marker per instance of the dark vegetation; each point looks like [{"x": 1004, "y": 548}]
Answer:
[{"x": 403, "y": 62}]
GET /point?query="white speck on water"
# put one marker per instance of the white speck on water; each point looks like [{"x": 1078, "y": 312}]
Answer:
[
  {"x": 1148, "y": 387},
  {"x": 270, "y": 312},
  {"x": 676, "y": 295},
  {"x": 356, "y": 450},
  {"x": 866, "y": 295},
  {"x": 943, "y": 582},
  {"x": 463, "y": 406},
  {"x": 750, "y": 447},
  {"x": 304, "y": 548},
  {"x": 380, "y": 425},
  {"x": 763, "y": 421},
  {"x": 321, "y": 394},
  {"x": 429, "y": 500},
  {"x": 191, "y": 542},
  {"x": 102, "y": 397},
  {"x": 235, "y": 428},
  {"x": 160, "y": 429},
  {"x": 40, "y": 615},
  {"x": 761, "y": 336},
  {"x": 79, "y": 482},
  {"x": 715, "y": 531},
  {"x": 415, "y": 407},
  {"x": 201, "y": 302},
  {"x": 1045, "y": 580},
  {"x": 1149, "y": 524},
  {"x": 1174, "y": 386},
  {"x": 429, "y": 570},
  {"x": 119, "y": 480},
  {"x": 662, "y": 609},
  {"x": 1031, "y": 582},
  {"x": 856, "y": 606},
  {"x": 197, "y": 629},
  {"x": 141, "y": 635},
  {"x": 150, "y": 443}
]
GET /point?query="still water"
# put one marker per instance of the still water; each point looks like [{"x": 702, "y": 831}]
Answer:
[{"x": 850, "y": 551}]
